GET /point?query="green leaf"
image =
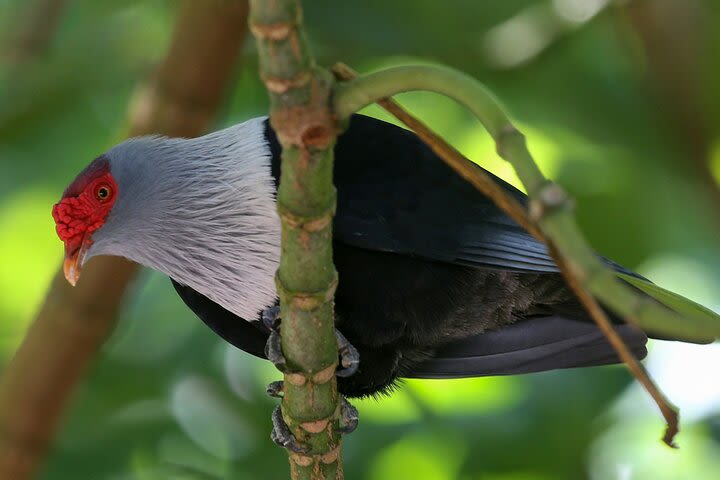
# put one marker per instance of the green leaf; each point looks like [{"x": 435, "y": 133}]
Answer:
[{"x": 675, "y": 302}]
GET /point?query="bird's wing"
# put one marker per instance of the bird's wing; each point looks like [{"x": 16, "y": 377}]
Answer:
[
  {"x": 396, "y": 195},
  {"x": 533, "y": 345}
]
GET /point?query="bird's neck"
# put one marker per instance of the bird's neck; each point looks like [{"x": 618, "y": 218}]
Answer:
[{"x": 210, "y": 220}]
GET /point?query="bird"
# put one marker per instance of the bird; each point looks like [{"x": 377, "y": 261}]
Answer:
[{"x": 435, "y": 281}]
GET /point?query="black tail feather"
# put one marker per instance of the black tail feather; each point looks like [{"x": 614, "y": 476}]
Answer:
[{"x": 533, "y": 345}]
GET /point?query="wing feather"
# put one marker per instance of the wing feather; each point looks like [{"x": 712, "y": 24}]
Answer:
[
  {"x": 396, "y": 195},
  {"x": 534, "y": 345}
]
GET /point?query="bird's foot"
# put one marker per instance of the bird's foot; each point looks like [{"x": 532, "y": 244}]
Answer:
[
  {"x": 349, "y": 356},
  {"x": 270, "y": 318},
  {"x": 275, "y": 389},
  {"x": 282, "y": 435},
  {"x": 349, "y": 417},
  {"x": 273, "y": 351},
  {"x": 349, "y": 361}
]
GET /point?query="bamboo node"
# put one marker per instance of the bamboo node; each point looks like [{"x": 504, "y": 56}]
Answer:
[
  {"x": 315, "y": 426},
  {"x": 306, "y": 301},
  {"x": 280, "y": 85},
  {"x": 278, "y": 31},
  {"x": 331, "y": 456},
  {"x": 550, "y": 198},
  {"x": 324, "y": 375},
  {"x": 502, "y": 143},
  {"x": 292, "y": 123},
  {"x": 295, "y": 379},
  {"x": 301, "y": 460},
  {"x": 318, "y": 136},
  {"x": 308, "y": 224}
]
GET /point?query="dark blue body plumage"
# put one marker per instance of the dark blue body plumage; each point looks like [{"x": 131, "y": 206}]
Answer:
[{"x": 435, "y": 280}]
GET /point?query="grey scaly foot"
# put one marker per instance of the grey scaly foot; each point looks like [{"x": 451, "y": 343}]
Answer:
[
  {"x": 282, "y": 435},
  {"x": 349, "y": 417},
  {"x": 275, "y": 389},
  {"x": 349, "y": 361},
  {"x": 273, "y": 351},
  {"x": 270, "y": 318},
  {"x": 349, "y": 356}
]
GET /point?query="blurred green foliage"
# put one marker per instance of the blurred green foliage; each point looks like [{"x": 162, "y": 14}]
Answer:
[{"x": 167, "y": 399}]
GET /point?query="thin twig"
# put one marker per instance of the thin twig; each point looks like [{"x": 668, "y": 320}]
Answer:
[
  {"x": 478, "y": 178},
  {"x": 668, "y": 410}
]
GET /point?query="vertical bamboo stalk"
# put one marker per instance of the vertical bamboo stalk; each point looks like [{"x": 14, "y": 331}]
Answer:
[{"x": 301, "y": 115}]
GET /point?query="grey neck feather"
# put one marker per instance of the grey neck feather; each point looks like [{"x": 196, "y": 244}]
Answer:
[{"x": 201, "y": 211}]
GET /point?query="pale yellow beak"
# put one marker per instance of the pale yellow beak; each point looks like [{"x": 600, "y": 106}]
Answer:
[{"x": 74, "y": 260}]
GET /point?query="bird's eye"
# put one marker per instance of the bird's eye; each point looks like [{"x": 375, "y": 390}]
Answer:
[{"x": 103, "y": 192}]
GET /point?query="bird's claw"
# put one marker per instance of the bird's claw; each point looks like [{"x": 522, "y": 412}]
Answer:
[
  {"x": 273, "y": 351},
  {"x": 270, "y": 317},
  {"x": 349, "y": 417},
  {"x": 282, "y": 435},
  {"x": 349, "y": 356},
  {"x": 275, "y": 389}
]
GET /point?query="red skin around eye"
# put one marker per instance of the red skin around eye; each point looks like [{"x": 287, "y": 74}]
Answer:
[{"x": 79, "y": 215}]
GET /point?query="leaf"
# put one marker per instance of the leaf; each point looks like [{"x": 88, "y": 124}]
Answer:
[{"x": 675, "y": 302}]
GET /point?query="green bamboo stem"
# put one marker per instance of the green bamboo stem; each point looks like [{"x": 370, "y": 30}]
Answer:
[
  {"x": 300, "y": 115},
  {"x": 550, "y": 206}
]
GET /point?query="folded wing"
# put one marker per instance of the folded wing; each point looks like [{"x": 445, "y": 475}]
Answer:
[{"x": 534, "y": 345}]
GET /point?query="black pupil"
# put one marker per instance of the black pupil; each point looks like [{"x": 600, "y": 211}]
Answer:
[{"x": 103, "y": 192}]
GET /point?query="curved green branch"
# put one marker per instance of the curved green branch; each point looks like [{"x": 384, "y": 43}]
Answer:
[{"x": 549, "y": 204}]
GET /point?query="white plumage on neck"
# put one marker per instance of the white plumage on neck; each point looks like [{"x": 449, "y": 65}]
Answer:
[{"x": 201, "y": 211}]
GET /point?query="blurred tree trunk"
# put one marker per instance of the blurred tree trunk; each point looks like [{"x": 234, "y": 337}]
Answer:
[
  {"x": 73, "y": 323},
  {"x": 35, "y": 28},
  {"x": 674, "y": 35}
]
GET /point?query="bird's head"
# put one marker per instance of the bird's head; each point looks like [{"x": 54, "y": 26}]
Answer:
[
  {"x": 82, "y": 210},
  {"x": 201, "y": 211}
]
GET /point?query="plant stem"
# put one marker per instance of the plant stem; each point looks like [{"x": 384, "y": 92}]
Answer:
[{"x": 301, "y": 116}]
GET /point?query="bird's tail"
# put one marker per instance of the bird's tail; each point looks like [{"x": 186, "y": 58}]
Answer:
[
  {"x": 552, "y": 342},
  {"x": 532, "y": 345}
]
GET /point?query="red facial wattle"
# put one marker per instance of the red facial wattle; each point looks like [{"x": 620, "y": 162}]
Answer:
[{"x": 78, "y": 216}]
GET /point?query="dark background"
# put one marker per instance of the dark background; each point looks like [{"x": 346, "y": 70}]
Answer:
[{"x": 620, "y": 104}]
